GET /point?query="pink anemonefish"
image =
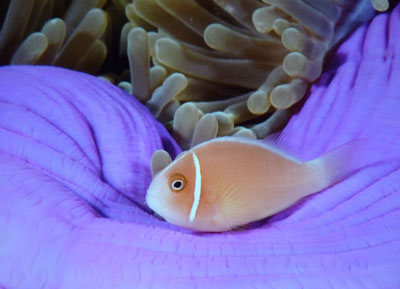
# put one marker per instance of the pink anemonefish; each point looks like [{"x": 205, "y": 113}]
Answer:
[{"x": 229, "y": 182}]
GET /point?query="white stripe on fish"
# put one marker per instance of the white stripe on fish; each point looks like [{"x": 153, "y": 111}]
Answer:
[{"x": 197, "y": 188}]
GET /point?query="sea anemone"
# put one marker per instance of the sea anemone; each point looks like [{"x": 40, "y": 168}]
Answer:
[
  {"x": 71, "y": 34},
  {"x": 218, "y": 67},
  {"x": 75, "y": 163},
  {"x": 203, "y": 68}
]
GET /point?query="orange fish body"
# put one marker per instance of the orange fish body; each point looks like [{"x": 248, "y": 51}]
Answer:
[{"x": 229, "y": 182}]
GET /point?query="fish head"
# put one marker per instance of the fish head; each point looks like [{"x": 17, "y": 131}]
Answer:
[
  {"x": 170, "y": 193},
  {"x": 176, "y": 193}
]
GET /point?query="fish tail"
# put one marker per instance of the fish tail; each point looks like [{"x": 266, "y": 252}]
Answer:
[
  {"x": 340, "y": 162},
  {"x": 351, "y": 157}
]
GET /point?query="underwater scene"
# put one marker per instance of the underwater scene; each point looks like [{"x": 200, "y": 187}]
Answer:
[{"x": 199, "y": 144}]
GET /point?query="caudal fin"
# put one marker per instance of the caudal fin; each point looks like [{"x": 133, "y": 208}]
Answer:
[{"x": 342, "y": 161}]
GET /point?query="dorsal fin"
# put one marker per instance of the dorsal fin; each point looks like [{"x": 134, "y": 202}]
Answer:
[
  {"x": 276, "y": 143},
  {"x": 284, "y": 144}
]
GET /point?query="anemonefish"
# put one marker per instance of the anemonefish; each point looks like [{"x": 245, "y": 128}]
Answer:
[{"x": 229, "y": 182}]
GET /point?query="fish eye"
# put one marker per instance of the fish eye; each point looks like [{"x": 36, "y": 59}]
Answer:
[{"x": 177, "y": 184}]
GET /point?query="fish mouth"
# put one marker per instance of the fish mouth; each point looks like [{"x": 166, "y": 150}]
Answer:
[
  {"x": 151, "y": 201},
  {"x": 161, "y": 212}
]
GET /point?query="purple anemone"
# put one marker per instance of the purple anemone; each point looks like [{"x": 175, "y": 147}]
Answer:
[{"x": 74, "y": 168}]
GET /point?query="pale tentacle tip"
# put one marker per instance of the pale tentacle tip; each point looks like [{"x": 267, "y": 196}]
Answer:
[
  {"x": 159, "y": 160},
  {"x": 380, "y": 5}
]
